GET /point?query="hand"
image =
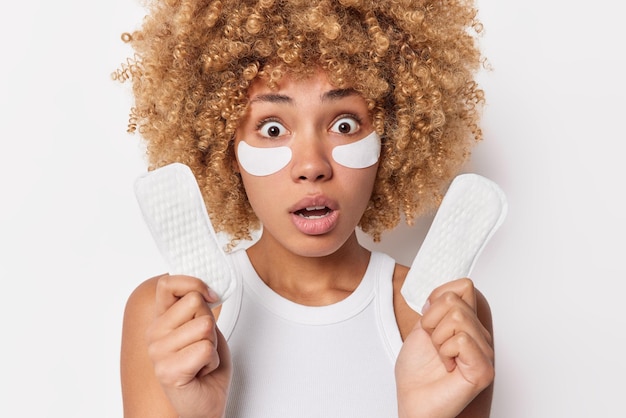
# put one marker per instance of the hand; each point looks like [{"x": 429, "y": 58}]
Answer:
[
  {"x": 190, "y": 355},
  {"x": 448, "y": 357}
]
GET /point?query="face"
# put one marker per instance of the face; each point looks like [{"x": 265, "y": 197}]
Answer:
[{"x": 308, "y": 156}]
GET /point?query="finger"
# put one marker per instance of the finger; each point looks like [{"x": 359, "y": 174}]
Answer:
[
  {"x": 453, "y": 295},
  {"x": 185, "y": 309},
  {"x": 224, "y": 356},
  {"x": 190, "y": 306},
  {"x": 456, "y": 318},
  {"x": 198, "y": 329},
  {"x": 464, "y": 288},
  {"x": 171, "y": 288},
  {"x": 442, "y": 306},
  {"x": 181, "y": 367},
  {"x": 463, "y": 353}
]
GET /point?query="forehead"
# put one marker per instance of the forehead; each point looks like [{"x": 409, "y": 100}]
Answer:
[{"x": 288, "y": 82}]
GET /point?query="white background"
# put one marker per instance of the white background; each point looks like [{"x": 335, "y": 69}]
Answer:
[{"x": 73, "y": 245}]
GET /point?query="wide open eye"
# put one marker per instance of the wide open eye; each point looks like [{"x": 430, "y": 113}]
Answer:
[
  {"x": 345, "y": 125},
  {"x": 272, "y": 129}
]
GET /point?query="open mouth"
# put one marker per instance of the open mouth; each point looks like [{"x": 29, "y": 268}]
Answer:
[{"x": 313, "y": 212}]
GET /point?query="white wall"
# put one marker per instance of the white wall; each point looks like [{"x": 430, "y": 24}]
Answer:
[{"x": 73, "y": 245}]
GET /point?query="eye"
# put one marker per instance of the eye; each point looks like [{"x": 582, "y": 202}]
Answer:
[
  {"x": 345, "y": 125},
  {"x": 272, "y": 129}
]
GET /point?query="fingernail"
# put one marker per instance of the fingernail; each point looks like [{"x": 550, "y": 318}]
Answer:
[
  {"x": 213, "y": 297},
  {"x": 426, "y": 306}
]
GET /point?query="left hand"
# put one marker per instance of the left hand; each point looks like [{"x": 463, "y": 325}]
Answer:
[{"x": 448, "y": 357}]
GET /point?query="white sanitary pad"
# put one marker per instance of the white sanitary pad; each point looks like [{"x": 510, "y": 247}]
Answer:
[
  {"x": 470, "y": 213},
  {"x": 174, "y": 211}
]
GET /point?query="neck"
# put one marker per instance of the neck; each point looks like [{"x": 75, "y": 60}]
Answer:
[{"x": 313, "y": 281}]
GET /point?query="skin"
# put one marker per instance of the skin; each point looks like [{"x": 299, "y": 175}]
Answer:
[{"x": 176, "y": 363}]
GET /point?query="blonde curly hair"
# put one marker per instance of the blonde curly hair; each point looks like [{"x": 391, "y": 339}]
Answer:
[{"x": 413, "y": 61}]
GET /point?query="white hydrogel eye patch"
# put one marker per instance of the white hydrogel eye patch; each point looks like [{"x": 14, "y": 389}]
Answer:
[
  {"x": 174, "y": 210},
  {"x": 360, "y": 154},
  {"x": 470, "y": 213},
  {"x": 265, "y": 161},
  {"x": 262, "y": 161}
]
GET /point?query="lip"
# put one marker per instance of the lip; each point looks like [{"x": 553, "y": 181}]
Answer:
[
  {"x": 312, "y": 201},
  {"x": 315, "y": 225}
]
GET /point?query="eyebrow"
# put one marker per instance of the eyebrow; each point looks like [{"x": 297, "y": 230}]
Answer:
[
  {"x": 331, "y": 95},
  {"x": 337, "y": 94},
  {"x": 272, "y": 98}
]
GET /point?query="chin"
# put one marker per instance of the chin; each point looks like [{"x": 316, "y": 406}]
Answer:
[{"x": 321, "y": 246}]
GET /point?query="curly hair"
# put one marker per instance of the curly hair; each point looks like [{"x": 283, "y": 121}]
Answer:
[{"x": 413, "y": 61}]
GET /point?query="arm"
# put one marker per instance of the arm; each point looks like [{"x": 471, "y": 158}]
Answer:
[
  {"x": 446, "y": 365},
  {"x": 141, "y": 392},
  {"x": 172, "y": 356}
]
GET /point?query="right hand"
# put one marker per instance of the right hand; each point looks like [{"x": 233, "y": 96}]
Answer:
[{"x": 190, "y": 355}]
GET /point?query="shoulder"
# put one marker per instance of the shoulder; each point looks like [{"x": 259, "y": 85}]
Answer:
[
  {"x": 406, "y": 317},
  {"x": 140, "y": 304},
  {"x": 143, "y": 295},
  {"x": 138, "y": 315}
]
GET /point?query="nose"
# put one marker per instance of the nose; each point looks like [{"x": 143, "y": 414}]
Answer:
[{"x": 310, "y": 160}]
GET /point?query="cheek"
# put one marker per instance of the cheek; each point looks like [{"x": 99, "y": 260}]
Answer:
[
  {"x": 359, "y": 185},
  {"x": 263, "y": 192}
]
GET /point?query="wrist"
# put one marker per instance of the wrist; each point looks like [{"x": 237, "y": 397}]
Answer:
[{"x": 413, "y": 404}]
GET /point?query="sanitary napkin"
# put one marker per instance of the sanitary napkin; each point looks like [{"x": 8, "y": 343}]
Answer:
[
  {"x": 470, "y": 213},
  {"x": 173, "y": 208}
]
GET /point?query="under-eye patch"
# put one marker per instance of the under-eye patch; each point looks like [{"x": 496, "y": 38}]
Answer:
[
  {"x": 360, "y": 154},
  {"x": 262, "y": 161},
  {"x": 265, "y": 161}
]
